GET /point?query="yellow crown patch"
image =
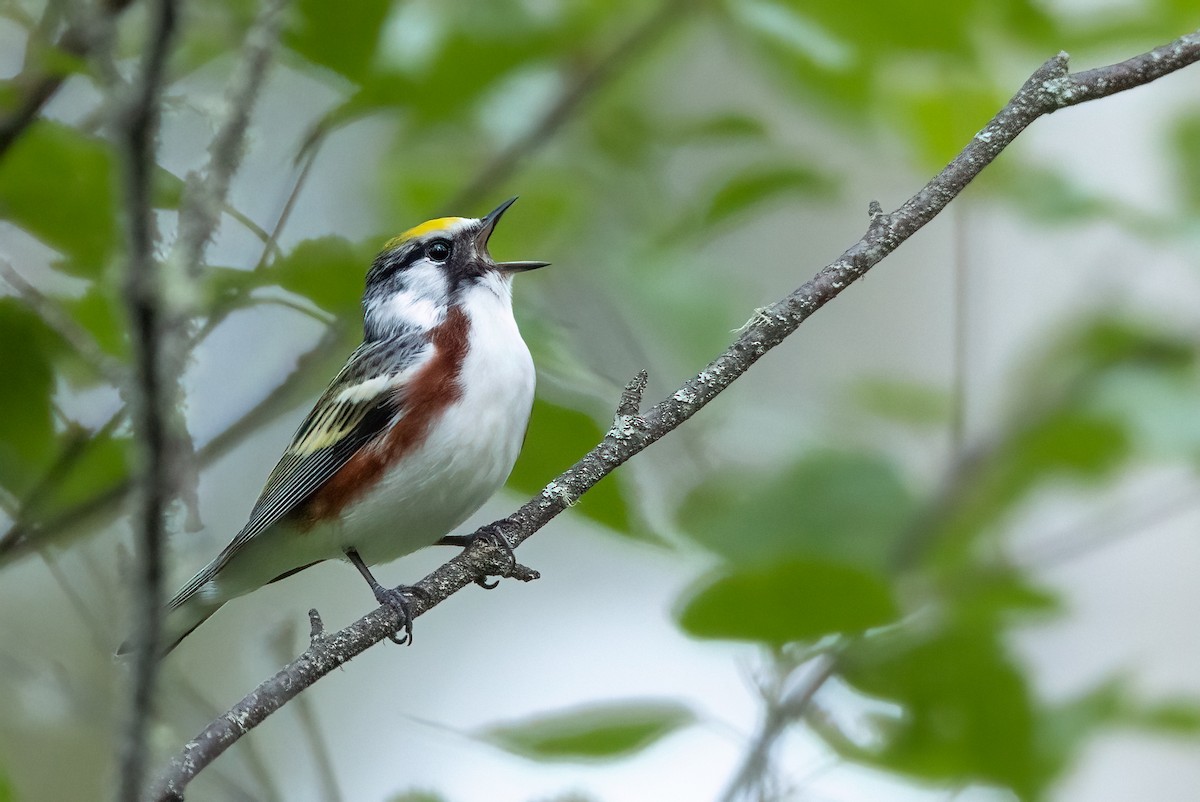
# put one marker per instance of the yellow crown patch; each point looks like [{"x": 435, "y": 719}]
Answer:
[{"x": 428, "y": 227}]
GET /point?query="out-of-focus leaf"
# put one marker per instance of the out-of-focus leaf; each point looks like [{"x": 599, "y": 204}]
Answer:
[
  {"x": 418, "y": 796},
  {"x": 1065, "y": 444},
  {"x": 26, "y": 416},
  {"x": 1069, "y": 442},
  {"x": 557, "y": 437},
  {"x": 57, "y": 184},
  {"x": 787, "y": 602},
  {"x": 1047, "y": 196},
  {"x": 994, "y": 597},
  {"x": 1181, "y": 717},
  {"x": 721, "y": 127},
  {"x": 967, "y": 713},
  {"x": 98, "y": 313},
  {"x": 846, "y": 508},
  {"x": 101, "y": 465},
  {"x": 450, "y": 86},
  {"x": 329, "y": 271},
  {"x": 1063, "y": 730},
  {"x": 6, "y": 790},
  {"x": 1187, "y": 148},
  {"x": 167, "y": 189},
  {"x": 757, "y": 186},
  {"x": 1159, "y": 407},
  {"x": 340, "y": 36},
  {"x": 904, "y": 402},
  {"x": 601, "y": 732},
  {"x": 943, "y": 115}
]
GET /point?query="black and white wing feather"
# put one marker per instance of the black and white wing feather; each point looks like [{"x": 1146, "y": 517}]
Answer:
[{"x": 361, "y": 401}]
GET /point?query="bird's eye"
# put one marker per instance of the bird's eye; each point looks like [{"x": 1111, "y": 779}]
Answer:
[{"x": 438, "y": 250}]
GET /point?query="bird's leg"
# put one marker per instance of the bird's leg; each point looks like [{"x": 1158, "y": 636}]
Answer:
[
  {"x": 493, "y": 535},
  {"x": 398, "y": 598}
]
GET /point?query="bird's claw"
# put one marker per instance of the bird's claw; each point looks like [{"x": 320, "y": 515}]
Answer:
[
  {"x": 400, "y": 599},
  {"x": 493, "y": 535}
]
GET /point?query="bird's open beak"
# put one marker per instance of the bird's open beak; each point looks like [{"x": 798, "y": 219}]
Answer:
[{"x": 489, "y": 225}]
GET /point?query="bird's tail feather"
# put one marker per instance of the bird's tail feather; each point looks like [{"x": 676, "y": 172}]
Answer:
[{"x": 180, "y": 622}]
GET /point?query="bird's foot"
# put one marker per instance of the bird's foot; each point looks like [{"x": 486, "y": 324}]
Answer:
[
  {"x": 493, "y": 535},
  {"x": 400, "y": 600}
]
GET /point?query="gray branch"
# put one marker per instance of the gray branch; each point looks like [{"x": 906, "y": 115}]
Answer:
[
  {"x": 150, "y": 389},
  {"x": 1049, "y": 89}
]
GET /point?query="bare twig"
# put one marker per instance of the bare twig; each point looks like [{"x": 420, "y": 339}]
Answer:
[
  {"x": 1050, "y": 88},
  {"x": 206, "y": 192},
  {"x": 150, "y": 396},
  {"x": 780, "y": 714}
]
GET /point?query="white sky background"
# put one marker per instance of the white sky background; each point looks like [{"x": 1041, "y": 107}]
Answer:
[{"x": 597, "y": 626}]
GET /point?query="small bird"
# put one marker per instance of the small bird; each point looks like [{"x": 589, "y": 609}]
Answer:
[{"x": 413, "y": 435}]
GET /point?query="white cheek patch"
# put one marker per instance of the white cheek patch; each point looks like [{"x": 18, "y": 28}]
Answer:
[
  {"x": 408, "y": 308},
  {"x": 422, "y": 302}
]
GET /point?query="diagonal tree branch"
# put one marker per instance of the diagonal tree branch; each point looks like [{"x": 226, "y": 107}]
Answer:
[{"x": 1049, "y": 89}]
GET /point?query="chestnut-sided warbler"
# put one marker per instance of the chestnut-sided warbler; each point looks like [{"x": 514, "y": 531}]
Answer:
[{"x": 413, "y": 435}]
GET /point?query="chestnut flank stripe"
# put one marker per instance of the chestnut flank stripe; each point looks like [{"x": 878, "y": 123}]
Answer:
[{"x": 423, "y": 399}]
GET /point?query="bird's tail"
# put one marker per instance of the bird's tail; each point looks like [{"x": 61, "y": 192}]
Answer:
[{"x": 180, "y": 622}]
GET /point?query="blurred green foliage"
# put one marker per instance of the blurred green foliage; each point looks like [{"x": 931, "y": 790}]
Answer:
[
  {"x": 844, "y": 550},
  {"x": 600, "y": 732}
]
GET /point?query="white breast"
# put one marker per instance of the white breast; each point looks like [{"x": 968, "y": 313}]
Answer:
[{"x": 470, "y": 450}]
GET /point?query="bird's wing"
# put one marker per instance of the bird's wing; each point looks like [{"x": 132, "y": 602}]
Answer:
[{"x": 358, "y": 404}]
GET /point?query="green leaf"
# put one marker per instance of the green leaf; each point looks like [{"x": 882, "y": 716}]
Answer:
[
  {"x": 1178, "y": 717},
  {"x": 556, "y": 438},
  {"x": 101, "y": 465},
  {"x": 7, "y": 794},
  {"x": 599, "y": 732},
  {"x": 944, "y": 112},
  {"x": 731, "y": 126},
  {"x": 27, "y": 440},
  {"x": 57, "y": 184},
  {"x": 1064, "y": 729},
  {"x": 1065, "y": 443},
  {"x": 788, "y": 602},
  {"x": 905, "y": 402},
  {"x": 329, "y": 271},
  {"x": 1187, "y": 148},
  {"x": 340, "y": 36},
  {"x": 756, "y": 186},
  {"x": 967, "y": 713},
  {"x": 99, "y": 313},
  {"x": 846, "y": 508},
  {"x": 417, "y": 796}
]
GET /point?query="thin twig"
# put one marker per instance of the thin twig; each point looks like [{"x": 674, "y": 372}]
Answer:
[
  {"x": 150, "y": 395},
  {"x": 206, "y": 192},
  {"x": 1050, "y": 88},
  {"x": 780, "y": 714}
]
